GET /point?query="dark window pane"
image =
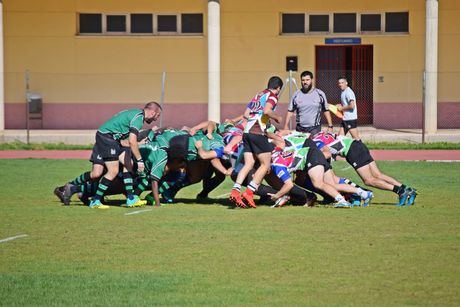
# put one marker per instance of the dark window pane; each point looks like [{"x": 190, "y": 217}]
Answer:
[
  {"x": 192, "y": 23},
  {"x": 116, "y": 23},
  {"x": 371, "y": 22},
  {"x": 345, "y": 23},
  {"x": 90, "y": 23},
  {"x": 293, "y": 23},
  {"x": 167, "y": 23},
  {"x": 397, "y": 22},
  {"x": 319, "y": 23},
  {"x": 141, "y": 23}
]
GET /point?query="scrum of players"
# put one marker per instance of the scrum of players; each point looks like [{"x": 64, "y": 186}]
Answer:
[{"x": 280, "y": 166}]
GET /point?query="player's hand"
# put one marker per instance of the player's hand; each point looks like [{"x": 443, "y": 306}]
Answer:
[
  {"x": 330, "y": 130},
  {"x": 199, "y": 144},
  {"x": 272, "y": 196},
  {"x": 209, "y": 136},
  {"x": 229, "y": 171},
  {"x": 140, "y": 166},
  {"x": 155, "y": 128},
  {"x": 339, "y": 107},
  {"x": 192, "y": 132}
]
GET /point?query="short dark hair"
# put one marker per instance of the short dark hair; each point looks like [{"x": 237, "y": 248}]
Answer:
[
  {"x": 152, "y": 104},
  {"x": 306, "y": 73},
  {"x": 275, "y": 82},
  {"x": 344, "y": 78}
]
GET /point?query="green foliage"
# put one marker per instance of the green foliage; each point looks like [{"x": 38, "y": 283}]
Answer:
[{"x": 193, "y": 254}]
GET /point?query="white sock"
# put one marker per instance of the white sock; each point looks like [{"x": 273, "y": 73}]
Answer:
[{"x": 339, "y": 198}]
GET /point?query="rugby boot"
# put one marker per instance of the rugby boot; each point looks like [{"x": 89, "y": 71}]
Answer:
[
  {"x": 368, "y": 198},
  {"x": 235, "y": 199},
  {"x": 134, "y": 201},
  {"x": 412, "y": 195},
  {"x": 96, "y": 204},
  {"x": 402, "y": 198},
  {"x": 248, "y": 198},
  {"x": 343, "y": 204},
  {"x": 281, "y": 201},
  {"x": 59, "y": 191}
]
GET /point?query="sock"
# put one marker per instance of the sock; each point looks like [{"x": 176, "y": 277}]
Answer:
[
  {"x": 339, "y": 198},
  {"x": 399, "y": 190},
  {"x": 361, "y": 193},
  {"x": 81, "y": 179},
  {"x": 237, "y": 187},
  {"x": 142, "y": 186},
  {"x": 253, "y": 186},
  {"x": 128, "y": 181},
  {"x": 104, "y": 184},
  {"x": 76, "y": 188}
]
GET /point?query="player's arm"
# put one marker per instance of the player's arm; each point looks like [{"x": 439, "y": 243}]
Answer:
[
  {"x": 200, "y": 126},
  {"x": 135, "y": 151},
  {"x": 211, "y": 127},
  {"x": 268, "y": 110},
  {"x": 351, "y": 105},
  {"x": 235, "y": 119},
  {"x": 289, "y": 115},
  {"x": 287, "y": 186},
  {"x": 217, "y": 164},
  {"x": 156, "y": 194}
]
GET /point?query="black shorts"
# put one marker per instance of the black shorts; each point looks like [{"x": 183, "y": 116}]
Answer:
[
  {"x": 312, "y": 130},
  {"x": 349, "y": 124},
  {"x": 358, "y": 155},
  {"x": 256, "y": 143},
  {"x": 105, "y": 149},
  {"x": 315, "y": 157}
]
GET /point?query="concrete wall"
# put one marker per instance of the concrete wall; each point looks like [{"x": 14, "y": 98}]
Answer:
[{"x": 85, "y": 79}]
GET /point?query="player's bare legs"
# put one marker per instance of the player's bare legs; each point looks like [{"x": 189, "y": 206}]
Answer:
[
  {"x": 265, "y": 160},
  {"x": 316, "y": 175}
]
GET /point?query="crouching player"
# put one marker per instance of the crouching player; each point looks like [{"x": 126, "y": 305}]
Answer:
[{"x": 358, "y": 156}]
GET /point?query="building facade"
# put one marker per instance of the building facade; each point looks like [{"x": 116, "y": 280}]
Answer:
[{"x": 89, "y": 59}]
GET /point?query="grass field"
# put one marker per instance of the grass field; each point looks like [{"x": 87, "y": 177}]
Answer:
[{"x": 190, "y": 254}]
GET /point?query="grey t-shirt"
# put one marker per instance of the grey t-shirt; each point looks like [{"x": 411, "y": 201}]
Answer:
[
  {"x": 308, "y": 107},
  {"x": 346, "y": 97}
]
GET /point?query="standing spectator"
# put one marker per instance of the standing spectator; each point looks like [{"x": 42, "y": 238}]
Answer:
[
  {"x": 349, "y": 109},
  {"x": 308, "y": 103}
]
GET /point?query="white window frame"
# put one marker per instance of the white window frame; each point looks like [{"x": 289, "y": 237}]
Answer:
[
  {"x": 396, "y": 33},
  {"x": 382, "y": 23},
  {"x": 111, "y": 33},
  {"x": 128, "y": 32},
  {"x": 307, "y": 18}
]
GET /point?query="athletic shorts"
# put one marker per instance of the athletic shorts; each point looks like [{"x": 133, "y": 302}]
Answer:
[
  {"x": 358, "y": 155},
  {"x": 349, "y": 124},
  {"x": 315, "y": 157},
  {"x": 312, "y": 130},
  {"x": 256, "y": 143},
  {"x": 105, "y": 149}
]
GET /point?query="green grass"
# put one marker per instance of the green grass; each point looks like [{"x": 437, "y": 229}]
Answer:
[
  {"x": 382, "y": 145},
  {"x": 193, "y": 254}
]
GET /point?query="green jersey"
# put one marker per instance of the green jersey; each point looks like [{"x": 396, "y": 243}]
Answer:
[
  {"x": 295, "y": 139},
  {"x": 122, "y": 123},
  {"x": 216, "y": 143},
  {"x": 155, "y": 160},
  {"x": 340, "y": 146},
  {"x": 162, "y": 140}
]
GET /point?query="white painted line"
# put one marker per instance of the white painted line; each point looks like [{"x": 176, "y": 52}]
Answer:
[
  {"x": 223, "y": 195},
  {"x": 346, "y": 168},
  {"x": 138, "y": 211},
  {"x": 12, "y": 238}
]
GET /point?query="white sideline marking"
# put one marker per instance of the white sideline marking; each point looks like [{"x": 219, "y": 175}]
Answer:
[
  {"x": 12, "y": 238},
  {"x": 345, "y": 168},
  {"x": 223, "y": 195},
  {"x": 138, "y": 211}
]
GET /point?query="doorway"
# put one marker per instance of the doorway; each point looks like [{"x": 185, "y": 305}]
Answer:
[{"x": 355, "y": 62}]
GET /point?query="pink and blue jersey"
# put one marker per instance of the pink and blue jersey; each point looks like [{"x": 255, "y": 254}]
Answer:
[{"x": 257, "y": 119}]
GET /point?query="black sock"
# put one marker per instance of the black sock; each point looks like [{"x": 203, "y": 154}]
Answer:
[
  {"x": 128, "y": 181},
  {"x": 81, "y": 179},
  {"x": 142, "y": 186},
  {"x": 104, "y": 184}
]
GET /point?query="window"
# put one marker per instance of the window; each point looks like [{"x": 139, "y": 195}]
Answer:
[
  {"x": 90, "y": 23},
  {"x": 293, "y": 23},
  {"x": 371, "y": 22},
  {"x": 116, "y": 23},
  {"x": 397, "y": 22},
  {"x": 319, "y": 23},
  {"x": 192, "y": 23},
  {"x": 167, "y": 23},
  {"x": 141, "y": 23},
  {"x": 345, "y": 23}
]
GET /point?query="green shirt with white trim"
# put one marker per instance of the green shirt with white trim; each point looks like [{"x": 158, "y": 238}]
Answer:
[
  {"x": 122, "y": 123},
  {"x": 155, "y": 160}
]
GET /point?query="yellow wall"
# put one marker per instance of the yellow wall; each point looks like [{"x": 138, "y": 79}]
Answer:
[{"x": 65, "y": 68}]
